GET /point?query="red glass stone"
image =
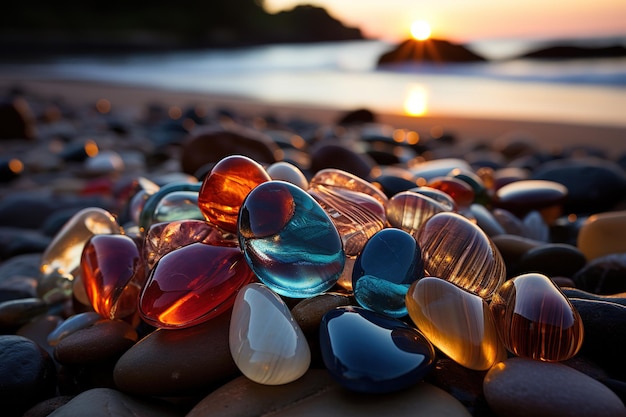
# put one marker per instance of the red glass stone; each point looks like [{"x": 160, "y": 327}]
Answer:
[
  {"x": 113, "y": 274},
  {"x": 192, "y": 285},
  {"x": 225, "y": 188},
  {"x": 163, "y": 238},
  {"x": 461, "y": 192}
]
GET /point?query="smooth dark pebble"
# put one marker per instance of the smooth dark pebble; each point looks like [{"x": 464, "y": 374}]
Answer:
[
  {"x": 326, "y": 155},
  {"x": 603, "y": 275},
  {"x": 15, "y": 313},
  {"x": 552, "y": 259},
  {"x": 46, "y": 407}
]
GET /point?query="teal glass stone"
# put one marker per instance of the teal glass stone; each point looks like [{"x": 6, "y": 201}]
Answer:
[
  {"x": 289, "y": 241},
  {"x": 388, "y": 264}
]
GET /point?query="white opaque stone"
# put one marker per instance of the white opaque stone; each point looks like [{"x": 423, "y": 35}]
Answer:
[
  {"x": 288, "y": 172},
  {"x": 266, "y": 342}
]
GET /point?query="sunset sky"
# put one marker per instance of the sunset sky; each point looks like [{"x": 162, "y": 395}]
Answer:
[{"x": 463, "y": 20}]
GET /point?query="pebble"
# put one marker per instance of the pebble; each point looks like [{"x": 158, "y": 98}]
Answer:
[
  {"x": 603, "y": 234},
  {"x": 15, "y": 313},
  {"x": 525, "y": 387},
  {"x": 603, "y": 275}
]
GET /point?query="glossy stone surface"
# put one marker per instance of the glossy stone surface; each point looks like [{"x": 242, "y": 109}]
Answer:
[
  {"x": 337, "y": 178},
  {"x": 389, "y": 263},
  {"x": 603, "y": 234},
  {"x": 536, "y": 320},
  {"x": 357, "y": 216},
  {"x": 368, "y": 352},
  {"x": 461, "y": 192},
  {"x": 192, "y": 284},
  {"x": 459, "y": 323},
  {"x": 409, "y": 210},
  {"x": 113, "y": 274},
  {"x": 521, "y": 197},
  {"x": 63, "y": 253},
  {"x": 265, "y": 341},
  {"x": 289, "y": 241},
  {"x": 178, "y": 205},
  {"x": 437, "y": 195},
  {"x": 146, "y": 218},
  {"x": 455, "y": 249},
  {"x": 438, "y": 167},
  {"x": 165, "y": 237},
  {"x": 225, "y": 188},
  {"x": 71, "y": 325},
  {"x": 285, "y": 171}
]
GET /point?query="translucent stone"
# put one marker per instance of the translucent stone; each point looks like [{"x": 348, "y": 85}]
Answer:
[
  {"x": 457, "y": 250},
  {"x": 457, "y": 322},
  {"x": 368, "y": 352},
  {"x": 71, "y": 325},
  {"x": 331, "y": 177},
  {"x": 357, "y": 216},
  {"x": 603, "y": 234},
  {"x": 389, "y": 263},
  {"x": 536, "y": 320},
  {"x": 284, "y": 171},
  {"x": 409, "y": 210},
  {"x": 225, "y": 188},
  {"x": 146, "y": 219},
  {"x": 481, "y": 195},
  {"x": 63, "y": 253},
  {"x": 113, "y": 274},
  {"x": 438, "y": 167},
  {"x": 439, "y": 196},
  {"x": 193, "y": 284},
  {"x": 163, "y": 238},
  {"x": 460, "y": 191},
  {"x": 139, "y": 198},
  {"x": 345, "y": 279},
  {"x": 289, "y": 241},
  {"x": 265, "y": 340},
  {"x": 178, "y": 205}
]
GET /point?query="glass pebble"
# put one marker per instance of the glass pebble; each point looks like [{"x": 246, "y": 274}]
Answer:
[
  {"x": 536, "y": 320},
  {"x": 193, "y": 284},
  {"x": 112, "y": 273},
  {"x": 456, "y": 321},
  {"x": 146, "y": 219},
  {"x": 409, "y": 210},
  {"x": 338, "y": 178},
  {"x": 461, "y": 192},
  {"x": 265, "y": 340},
  {"x": 178, "y": 205},
  {"x": 457, "y": 250},
  {"x": 289, "y": 241},
  {"x": 368, "y": 352},
  {"x": 225, "y": 188},
  {"x": 389, "y": 263}
]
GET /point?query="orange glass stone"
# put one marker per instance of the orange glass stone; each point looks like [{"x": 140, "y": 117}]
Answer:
[
  {"x": 113, "y": 274},
  {"x": 226, "y": 186},
  {"x": 536, "y": 320},
  {"x": 163, "y": 238},
  {"x": 193, "y": 284},
  {"x": 459, "y": 251},
  {"x": 461, "y": 192},
  {"x": 409, "y": 210},
  {"x": 459, "y": 323}
]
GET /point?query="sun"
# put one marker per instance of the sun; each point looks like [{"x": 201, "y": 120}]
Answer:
[{"x": 420, "y": 30}]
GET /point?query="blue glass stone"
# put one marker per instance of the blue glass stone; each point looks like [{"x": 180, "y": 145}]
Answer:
[
  {"x": 178, "y": 205},
  {"x": 389, "y": 262},
  {"x": 146, "y": 218},
  {"x": 368, "y": 352},
  {"x": 289, "y": 241}
]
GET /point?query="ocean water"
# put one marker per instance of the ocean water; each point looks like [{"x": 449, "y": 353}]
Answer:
[{"x": 344, "y": 75}]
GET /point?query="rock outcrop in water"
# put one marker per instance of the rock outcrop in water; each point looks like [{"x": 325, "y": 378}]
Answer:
[{"x": 430, "y": 50}]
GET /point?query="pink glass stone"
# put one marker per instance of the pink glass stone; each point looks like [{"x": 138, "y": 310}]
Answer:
[
  {"x": 536, "y": 320},
  {"x": 409, "y": 210},
  {"x": 458, "y": 322},
  {"x": 163, "y": 238},
  {"x": 341, "y": 179},
  {"x": 457, "y": 250},
  {"x": 63, "y": 253},
  {"x": 357, "y": 216},
  {"x": 112, "y": 272},
  {"x": 225, "y": 188},
  {"x": 192, "y": 285}
]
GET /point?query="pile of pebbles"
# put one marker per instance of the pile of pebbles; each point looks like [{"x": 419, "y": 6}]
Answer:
[{"x": 57, "y": 159}]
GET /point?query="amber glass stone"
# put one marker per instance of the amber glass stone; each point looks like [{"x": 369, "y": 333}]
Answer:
[
  {"x": 458, "y": 322},
  {"x": 457, "y": 250},
  {"x": 193, "y": 284},
  {"x": 461, "y": 192},
  {"x": 225, "y": 188},
  {"x": 357, "y": 216},
  {"x": 113, "y": 274},
  {"x": 332, "y": 177},
  {"x": 409, "y": 210},
  {"x": 162, "y": 238},
  {"x": 63, "y": 254},
  {"x": 536, "y": 320}
]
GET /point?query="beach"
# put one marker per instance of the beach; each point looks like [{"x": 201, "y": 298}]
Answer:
[{"x": 130, "y": 292}]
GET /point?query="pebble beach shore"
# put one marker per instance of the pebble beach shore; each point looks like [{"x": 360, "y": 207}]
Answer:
[{"x": 67, "y": 147}]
